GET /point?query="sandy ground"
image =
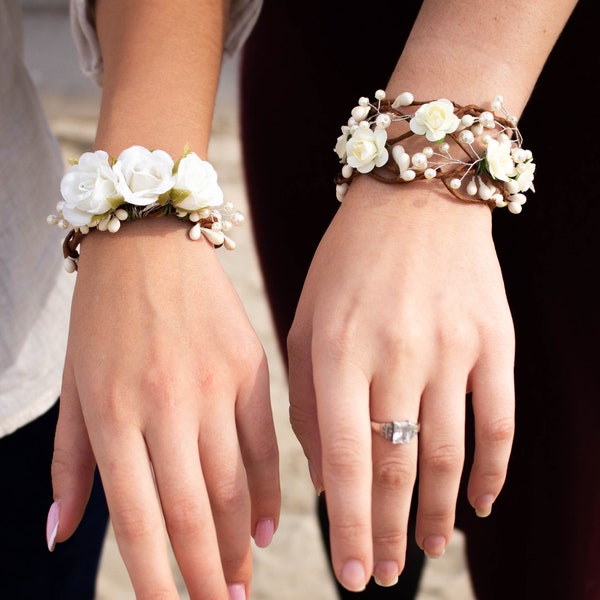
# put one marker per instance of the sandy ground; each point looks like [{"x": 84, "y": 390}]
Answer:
[{"x": 294, "y": 566}]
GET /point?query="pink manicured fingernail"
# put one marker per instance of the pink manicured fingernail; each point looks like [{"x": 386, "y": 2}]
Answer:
[
  {"x": 483, "y": 505},
  {"x": 385, "y": 573},
  {"x": 237, "y": 591},
  {"x": 353, "y": 576},
  {"x": 434, "y": 546},
  {"x": 264, "y": 533},
  {"x": 52, "y": 525}
]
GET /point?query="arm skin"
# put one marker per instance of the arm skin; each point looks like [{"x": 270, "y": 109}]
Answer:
[
  {"x": 441, "y": 327},
  {"x": 165, "y": 383}
]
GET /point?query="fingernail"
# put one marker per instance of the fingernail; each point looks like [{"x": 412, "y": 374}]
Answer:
[
  {"x": 315, "y": 480},
  {"x": 237, "y": 591},
  {"x": 353, "y": 576},
  {"x": 264, "y": 533},
  {"x": 483, "y": 505},
  {"x": 52, "y": 525},
  {"x": 434, "y": 546},
  {"x": 385, "y": 573}
]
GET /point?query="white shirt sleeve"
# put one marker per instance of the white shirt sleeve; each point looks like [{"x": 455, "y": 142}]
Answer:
[{"x": 242, "y": 17}]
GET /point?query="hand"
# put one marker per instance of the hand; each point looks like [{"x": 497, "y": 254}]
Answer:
[
  {"x": 166, "y": 387},
  {"x": 403, "y": 311}
]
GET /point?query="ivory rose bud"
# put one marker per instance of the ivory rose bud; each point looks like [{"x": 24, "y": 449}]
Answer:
[
  {"x": 196, "y": 184},
  {"x": 89, "y": 189},
  {"x": 143, "y": 175},
  {"x": 366, "y": 149},
  {"x": 500, "y": 164},
  {"x": 434, "y": 120}
]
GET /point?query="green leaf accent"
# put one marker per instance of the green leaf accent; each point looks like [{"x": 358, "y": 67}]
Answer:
[
  {"x": 178, "y": 196},
  {"x": 186, "y": 151},
  {"x": 116, "y": 202}
]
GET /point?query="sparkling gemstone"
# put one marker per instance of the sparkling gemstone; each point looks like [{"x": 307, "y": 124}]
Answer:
[{"x": 401, "y": 432}]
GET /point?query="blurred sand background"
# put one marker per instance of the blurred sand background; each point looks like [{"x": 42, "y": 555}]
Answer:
[{"x": 294, "y": 566}]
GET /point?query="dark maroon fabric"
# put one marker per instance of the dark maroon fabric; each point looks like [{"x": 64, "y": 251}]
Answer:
[{"x": 299, "y": 79}]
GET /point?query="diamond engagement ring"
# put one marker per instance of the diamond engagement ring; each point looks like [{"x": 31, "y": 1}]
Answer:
[{"x": 397, "y": 432}]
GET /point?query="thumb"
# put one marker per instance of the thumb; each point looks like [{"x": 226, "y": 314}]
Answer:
[
  {"x": 303, "y": 417},
  {"x": 73, "y": 467}
]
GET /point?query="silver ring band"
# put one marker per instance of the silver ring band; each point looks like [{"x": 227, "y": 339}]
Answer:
[{"x": 397, "y": 432}]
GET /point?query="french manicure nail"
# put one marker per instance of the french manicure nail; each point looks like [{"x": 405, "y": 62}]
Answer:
[
  {"x": 385, "y": 573},
  {"x": 237, "y": 591},
  {"x": 483, "y": 505},
  {"x": 263, "y": 536},
  {"x": 434, "y": 546},
  {"x": 353, "y": 576},
  {"x": 52, "y": 525}
]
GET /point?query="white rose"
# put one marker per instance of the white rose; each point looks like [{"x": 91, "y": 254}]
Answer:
[
  {"x": 434, "y": 120},
  {"x": 500, "y": 164},
  {"x": 143, "y": 175},
  {"x": 196, "y": 181},
  {"x": 340, "y": 147},
  {"x": 366, "y": 149},
  {"x": 524, "y": 179},
  {"x": 89, "y": 189}
]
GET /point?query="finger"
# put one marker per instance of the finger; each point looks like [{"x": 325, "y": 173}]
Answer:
[
  {"x": 493, "y": 405},
  {"x": 134, "y": 508},
  {"x": 393, "y": 398},
  {"x": 180, "y": 480},
  {"x": 258, "y": 444},
  {"x": 73, "y": 466},
  {"x": 344, "y": 422},
  {"x": 228, "y": 492},
  {"x": 441, "y": 458},
  {"x": 303, "y": 404}
]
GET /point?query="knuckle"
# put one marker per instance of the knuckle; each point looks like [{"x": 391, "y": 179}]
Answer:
[
  {"x": 438, "y": 519},
  {"x": 442, "y": 460},
  {"x": 131, "y": 523},
  {"x": 183, "y": 517},
  {"x": 225, "y": 495},
  {"x": 302, "y": 421},
  {"x": 346, "y": 530},
  {"x": 498, "y": 432},
  {"x": 390, "y": 540},
  {"x": 456, "y": 334},
  {"x": 342, "y": 457},
  {"x": 392, "y": 475}
]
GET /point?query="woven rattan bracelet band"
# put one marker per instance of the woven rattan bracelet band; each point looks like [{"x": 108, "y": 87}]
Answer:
[{"x": 477, "y": 154}]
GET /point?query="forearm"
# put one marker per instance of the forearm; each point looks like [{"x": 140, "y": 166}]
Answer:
[
  {"x": 161, "y": 70},
  {"x": 472, "y": 51}
]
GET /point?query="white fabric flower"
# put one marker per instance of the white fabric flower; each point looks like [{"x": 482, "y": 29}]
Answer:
[
  {"x": 89, "y": 189},
  {"x": 434, "y": 120},
  {"x": 340, "y": 146},
  {"x": 143, "y": 175},
  {"x": 196, "y": 181},
  {"x": 500, "y": 164},
  {"x": 366, "y": 149},
  {"x": 524, "y": 179}
]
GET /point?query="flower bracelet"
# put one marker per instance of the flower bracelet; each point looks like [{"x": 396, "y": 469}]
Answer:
[
  {"x": 100, "y": 191},
  {"x": 494, "y": 167}
]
